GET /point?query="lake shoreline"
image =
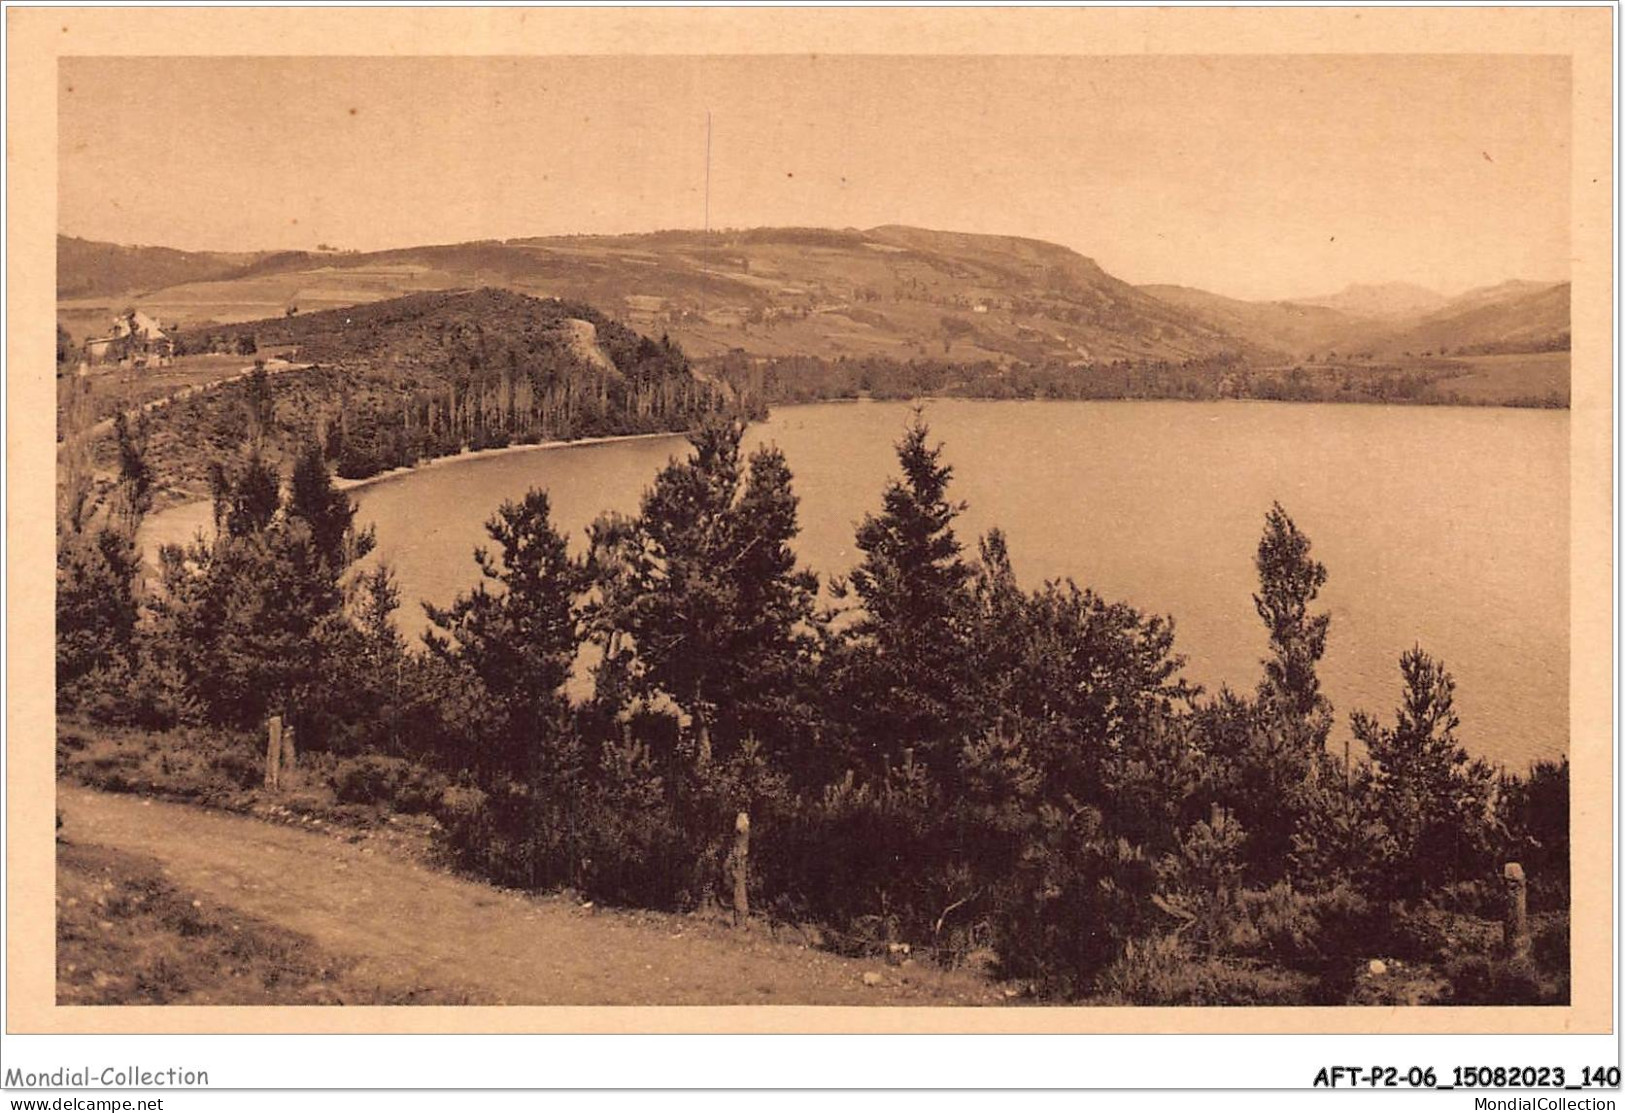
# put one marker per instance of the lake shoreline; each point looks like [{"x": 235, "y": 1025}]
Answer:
[
  {"x": 1156, "y": 504},
  {"x": 470, "y": 455},
  {"x": 916, "y": 400},
  {"x": 192, "y": 506},
  {"x": 921, "y": 399}
]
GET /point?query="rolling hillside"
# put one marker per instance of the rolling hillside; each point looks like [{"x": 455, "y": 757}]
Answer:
[
  {"x": 1371, "y": 321},
  {"x": 1380, "y": 301},
  {"x": 1511, "y": 317},
  {"x": 1293, "y": 328},
  {"x": 892, "y": 291},
  {"x": 87, "y": 268}
]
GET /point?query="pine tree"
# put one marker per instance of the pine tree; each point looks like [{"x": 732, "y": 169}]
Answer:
[
  {"x": 1002, "y": 640},
  {"x": 907, "y": 654},
  {"x": 763, "y": 693},
  {"x": 96, "y": 605},
  {"x": 98, "y": 567},
  {"x": 519, "y": 641},
  {"x": 675, "y": 599},
  {"x": 1432, "y": 798},
  {"x": 1289, "y": 580},
  {"x": 376, "y": 663},
  {"x": 1269, "y": 763},
  {"x": 133, "y": 495},
  {"x": 1532, "y": 813},
  {"x": 256, "y": 618},
  {"x": 326, "y": 511},
  {"x": 254, "y": 498},
  {"x": 704, "y": 586}
]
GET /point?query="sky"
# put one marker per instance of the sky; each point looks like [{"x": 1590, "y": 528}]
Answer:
[{"x": 1251, "y": 176}]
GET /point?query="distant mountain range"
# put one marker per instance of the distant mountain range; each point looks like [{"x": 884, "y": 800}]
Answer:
[
  {"x": 893, "y": 291},
  {"x": 1392, "y": 320},
  {"x": 1511, "y": 317},
  {"x": 1382, "y": 300}
]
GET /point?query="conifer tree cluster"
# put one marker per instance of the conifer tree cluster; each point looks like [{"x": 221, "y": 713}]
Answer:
[{"x": 943, "y": 757}]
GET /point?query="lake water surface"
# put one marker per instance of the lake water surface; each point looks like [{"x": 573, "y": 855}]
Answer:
[{"x": 1443, "y": 526}]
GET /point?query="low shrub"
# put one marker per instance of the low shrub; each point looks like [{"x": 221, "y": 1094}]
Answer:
[
  {"x": 631, "y": 845},
  {"x": 1321, "y": 935},
  {"x": 186, "y": 763},
  {"x": 1161, "y": 970},
  {"x": 142, "y": 693},
  {"x": 1276, "y": 922},
  {"x": 1073, "y": 902},
  {"x": 1550, "y": 950},
  {"x": 1480, "y": 979},
  {"x": 392, "y": 782},
  {"x": 1420, "y": 932},
  {"x": 481, "y": 832},
  {"x": 627, "y": 828},
  {"x": 839, "y": 859},
  {"x": 1470, "y": 898},
  {"x": 1480, "y": 975},
  {"x": 1302, "y": 930}
]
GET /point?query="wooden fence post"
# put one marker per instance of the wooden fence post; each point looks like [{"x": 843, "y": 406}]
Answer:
[
  {"x": 1515, "y": 925},
  {"x": 290, "y": 756},
  {"x": 273, "y": 754},
  {"x": 740, "y": 859}
]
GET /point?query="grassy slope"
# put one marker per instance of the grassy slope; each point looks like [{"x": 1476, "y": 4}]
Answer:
[
  {"x": 88, "y": 268},
  {"x": 430, "y": 329},
  {"x": 103, "y": 395},
  {"x": 1499, "y": 379},
  {"x": 1517, "y": 319},
  {"x": 890, "y": 291},
  {"x": 1290, "y": 327}
]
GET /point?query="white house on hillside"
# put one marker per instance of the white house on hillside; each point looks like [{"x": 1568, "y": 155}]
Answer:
[{"x": 135, "y": 340}]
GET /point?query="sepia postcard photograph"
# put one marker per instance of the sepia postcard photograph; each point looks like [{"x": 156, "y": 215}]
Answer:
[{"x": 1023, "y": 538}]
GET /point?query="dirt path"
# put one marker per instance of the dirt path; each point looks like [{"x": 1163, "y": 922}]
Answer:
[
  {"x": 411, "y": 925},
  {"x": 105, "y": 426}
]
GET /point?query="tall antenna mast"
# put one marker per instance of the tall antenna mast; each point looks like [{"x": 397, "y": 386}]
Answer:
[{"x": 705, "y": 236}]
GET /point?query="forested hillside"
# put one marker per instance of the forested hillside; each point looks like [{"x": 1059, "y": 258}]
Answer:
[
  {"x": 87, "y": 267},
  {"x": 392, "y": 383}
]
